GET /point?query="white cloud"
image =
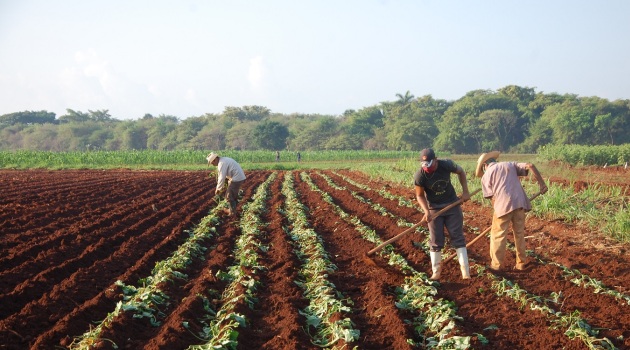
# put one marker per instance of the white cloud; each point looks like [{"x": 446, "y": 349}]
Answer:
[
  {"x": 257, "y": 73},
  {"x": 154, "y": 90},
  {"x": 94, "y": 66},
  {"x": 191, "y": 95}
]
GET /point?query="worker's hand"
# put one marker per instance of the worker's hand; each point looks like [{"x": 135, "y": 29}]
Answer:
[
  {"x": 465, "y": 197},
  {"x": 427, "y": 217}
]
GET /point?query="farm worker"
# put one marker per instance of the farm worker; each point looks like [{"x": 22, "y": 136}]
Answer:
[
  {"x": 500, "y": 182},
  {"x": 227, "y": 168},
  {"x": 434, "y": 191}
]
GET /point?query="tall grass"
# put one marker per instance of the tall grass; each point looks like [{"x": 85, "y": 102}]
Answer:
[
  {"x": 186, "y": 159},
  {"x": 586, "y": 154}
]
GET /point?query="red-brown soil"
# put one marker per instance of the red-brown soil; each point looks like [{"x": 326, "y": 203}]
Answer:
[{"x": 66, "y": 237}]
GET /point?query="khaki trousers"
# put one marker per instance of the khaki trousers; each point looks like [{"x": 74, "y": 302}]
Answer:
[{"x": 498, "y": 238}]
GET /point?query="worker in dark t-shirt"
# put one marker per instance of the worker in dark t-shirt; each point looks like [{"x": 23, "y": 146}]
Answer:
[{"x": 435, "y": 191}]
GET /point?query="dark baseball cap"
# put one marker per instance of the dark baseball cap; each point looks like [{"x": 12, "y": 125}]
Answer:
[{"x": 426, "y": 157}]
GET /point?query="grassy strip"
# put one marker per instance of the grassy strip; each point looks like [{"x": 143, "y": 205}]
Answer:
[
  {"x": 220, "y": 331},
  {"x": 326, "y": 303},
  {"x": 588, "y": 206},
  {"x": 184, "y": 159},
  {"x": 435, "y": 318}
]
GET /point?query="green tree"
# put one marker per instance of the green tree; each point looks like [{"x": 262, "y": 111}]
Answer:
[
  {"x": 270, "y": 135},
  {"x": 404, "y": 99},
  {"x": 183, "y": 133},
  {"x": 130, "y": 136},
  {"x": 42, "y": 138},
  {"x": 412, "y": 125},
  {"x": 158, "y": 129},
  {"x": 11, "y": 137},
  {"x": 499, "y": 129},
  {"x": 72, "y": 116},
  {"x": 611, "y": 124},
  {"x": 315, "y": 134},
  {"x": 98, "y": 139},
  {"x": 540, "y": 134},
  {"x": 28, "y": 117},
  {"x": 343, "y": 141},
  {"x": 100, "y": 115},
  {"x": 246, "y": 113},
  {"x": 460, "y": 130},
  {"x": 378, "y": 142},
  {"x": 356, "y": 127},
  {"x": 239, "y": 137}
]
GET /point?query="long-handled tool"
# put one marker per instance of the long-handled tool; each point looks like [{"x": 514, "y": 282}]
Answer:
[
  {"x": 486, "y": 231},
  {"x": 400, "y": 235}
]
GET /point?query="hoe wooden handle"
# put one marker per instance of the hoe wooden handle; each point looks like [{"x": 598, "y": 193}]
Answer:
[{"x": 399, "y": 236}]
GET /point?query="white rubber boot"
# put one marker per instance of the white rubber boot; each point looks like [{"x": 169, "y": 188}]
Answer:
[
  {"x": 436, "y": 265},
  {"x": 462, "y": 256}
]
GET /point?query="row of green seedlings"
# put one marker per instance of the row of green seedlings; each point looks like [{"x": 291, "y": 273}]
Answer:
[
  {"x": 434, "y": 318},
  {"x": 327, "y": 306},
  {"x": 220, "y": 329},
  {"x": 576, "y": 327},
  {"x": 581, "y": 280},
  {"x": 575, "y": 276},
  {"x": 401, "y": 222},
  {"x": 145, "y": 301}
]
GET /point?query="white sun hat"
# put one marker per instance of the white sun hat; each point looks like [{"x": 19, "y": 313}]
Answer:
[{"x": 211, "y": 157}]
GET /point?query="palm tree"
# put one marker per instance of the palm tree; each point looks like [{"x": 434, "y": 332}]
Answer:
[{"x": 403, "y": 100}]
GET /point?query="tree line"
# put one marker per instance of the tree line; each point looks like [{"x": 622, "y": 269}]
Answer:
[{"x": 512, "y": 119}]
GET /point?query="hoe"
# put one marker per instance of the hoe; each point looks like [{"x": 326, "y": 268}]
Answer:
[{"x": 400, "y": 235}]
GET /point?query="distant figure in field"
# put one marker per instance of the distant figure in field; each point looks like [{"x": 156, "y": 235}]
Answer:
[
  {"x": 277, "y": 156},
  {"x": 299, "y": 157}
]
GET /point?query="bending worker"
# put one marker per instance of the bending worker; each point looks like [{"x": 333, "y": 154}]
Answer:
[
  {"x": 435, "y": 191},
  {"x": 500, "y": 182},
  {"x": 227, "y": 168}
]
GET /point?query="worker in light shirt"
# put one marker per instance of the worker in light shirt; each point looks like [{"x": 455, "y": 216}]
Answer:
[
  {"x": 501, "y": 183},
  {"x": 227, "y": 168}
]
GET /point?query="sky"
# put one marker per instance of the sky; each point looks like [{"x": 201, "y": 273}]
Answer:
[{"x": 186, "y": 58}]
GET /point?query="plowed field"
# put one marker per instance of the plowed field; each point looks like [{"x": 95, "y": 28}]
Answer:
[{"x": 66, "y": 237}]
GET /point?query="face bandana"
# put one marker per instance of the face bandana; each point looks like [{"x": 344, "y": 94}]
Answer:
[{"x": 428, "y": 166}]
